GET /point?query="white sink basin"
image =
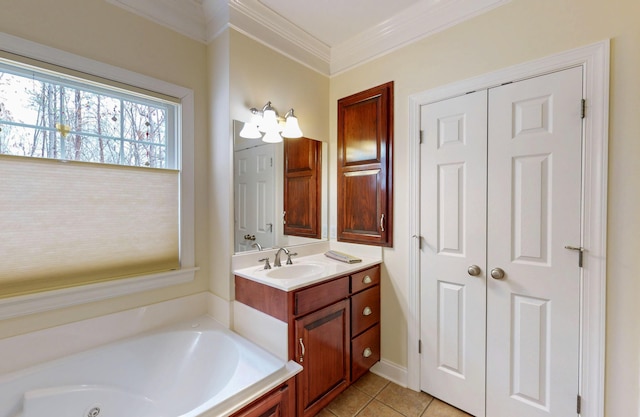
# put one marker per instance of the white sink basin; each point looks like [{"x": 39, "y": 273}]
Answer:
[{"x": 303, "y": 270}]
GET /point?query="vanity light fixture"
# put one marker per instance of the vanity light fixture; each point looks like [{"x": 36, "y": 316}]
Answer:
[{"x": 267, "y": 121}]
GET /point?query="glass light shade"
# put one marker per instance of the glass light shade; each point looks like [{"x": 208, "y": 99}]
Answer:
[
  {"x": 250, "y": 131},
  {"x": 272, "y": 136},
  {"x": 269, "y": 121},
  {"x": 291, "y": 128}
]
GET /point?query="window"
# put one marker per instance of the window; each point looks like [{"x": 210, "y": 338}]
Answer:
[
  {"x": 97, "y": 180},
  {"x": 49, "y": 116}
]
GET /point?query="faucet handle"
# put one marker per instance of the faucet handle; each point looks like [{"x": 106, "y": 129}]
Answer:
[
  {"x": 289, "y": 255},
  {"x": 266, "y": 262}
]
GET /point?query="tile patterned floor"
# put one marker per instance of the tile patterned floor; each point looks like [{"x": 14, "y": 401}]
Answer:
[{"x": 374, "y": 396}]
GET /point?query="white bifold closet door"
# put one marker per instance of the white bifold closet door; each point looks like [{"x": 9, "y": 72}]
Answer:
[{"x": 500, "y": 200}]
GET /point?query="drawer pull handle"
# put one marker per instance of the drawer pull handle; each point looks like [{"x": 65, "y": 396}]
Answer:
[
  {"x": 367, "y": 311},
  {"x": 367, "y": 279},
  {"x": 302, "y": 347},
  {"x": 367, "y": 352}
]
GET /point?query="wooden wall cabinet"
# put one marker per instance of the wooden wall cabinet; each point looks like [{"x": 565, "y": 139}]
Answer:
[
  {"x": 365, "y": 167},
  {"x": 334, "y": 331},
  {"x": 302, "y": 187}
]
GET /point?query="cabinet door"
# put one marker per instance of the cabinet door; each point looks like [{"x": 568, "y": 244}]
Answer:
[
  {"x": 323, "y": 349},
  {"x": 302, "y": 187},
  {"x": 365, "y": 138},
  {"x": 275, "y": 404}
]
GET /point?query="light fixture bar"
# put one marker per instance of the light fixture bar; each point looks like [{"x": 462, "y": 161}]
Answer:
[{"x": 267, "y": 121}]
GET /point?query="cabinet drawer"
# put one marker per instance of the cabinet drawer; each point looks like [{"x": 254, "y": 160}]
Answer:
[
  {"x": 365, "y": 352},
  {"x": 365, "y": 310},
  {"x": 313, "y": 298},
  {"x": 365, "y": 279}
]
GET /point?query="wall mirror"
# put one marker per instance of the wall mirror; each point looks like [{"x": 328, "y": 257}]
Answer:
[{"x": 278, "y": 201}]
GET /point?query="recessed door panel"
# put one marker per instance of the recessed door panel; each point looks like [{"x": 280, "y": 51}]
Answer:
[
  {"x": 451, "y": 324},
  {"x": 530, "y": 360},
  {"x": 530, "y": 208},
  {"x": 450, "y": 205}
]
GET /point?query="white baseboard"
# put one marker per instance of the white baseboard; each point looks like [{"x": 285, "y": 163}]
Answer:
[{"x": 391, "y": 371}]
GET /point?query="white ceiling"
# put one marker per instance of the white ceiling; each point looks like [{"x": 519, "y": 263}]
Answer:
[
  {"x": 334, "y": 21},
  {"x": 329, "y": 36}
]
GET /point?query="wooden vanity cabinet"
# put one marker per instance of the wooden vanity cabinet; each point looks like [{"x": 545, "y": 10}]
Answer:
[
  {"x": 279, "y": 402},
  {"x": 334, "y": 331},
  {"x": 322, "y": 349},
  {"x": 365, "y": 320}
]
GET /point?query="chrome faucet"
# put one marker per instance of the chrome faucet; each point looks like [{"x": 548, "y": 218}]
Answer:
[
  {"x": 276, "y": 261},
  {"x": 257, "y": 245}
]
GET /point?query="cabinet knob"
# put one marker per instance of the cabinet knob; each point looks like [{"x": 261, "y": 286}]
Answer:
[
  {"x": 367, "y": 352},
  {"x": 367, "y": 311},
  {"x": 367, "y": 279}
]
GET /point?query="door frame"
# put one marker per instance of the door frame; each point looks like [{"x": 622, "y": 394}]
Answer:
[{"x": 594, "y": 59}]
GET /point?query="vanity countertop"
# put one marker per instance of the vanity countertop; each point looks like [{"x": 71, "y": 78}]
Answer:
[{"x": 304, "y": 271}]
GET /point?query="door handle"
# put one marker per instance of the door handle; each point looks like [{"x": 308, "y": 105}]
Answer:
[
  {"x": 301, "y": 347},
  {"x": 382, "y": 222},
  {"x": 474, "y": 270},
  {"x": 497, "y": 273}
]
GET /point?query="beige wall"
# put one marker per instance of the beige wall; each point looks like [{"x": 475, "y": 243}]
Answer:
[
  {"x": 259, "y": 74},
  {"x": 97, "y": 30},
  {"x": 520, "y": 31},
  {"x": 243, "y": 74}
]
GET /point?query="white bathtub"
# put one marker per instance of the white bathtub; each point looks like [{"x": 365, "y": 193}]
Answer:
[{"x": 196, "y": 368}]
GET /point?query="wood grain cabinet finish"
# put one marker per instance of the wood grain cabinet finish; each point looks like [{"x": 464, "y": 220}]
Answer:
[
  {"x": 322, "y": 348},
  {"x": 276, "y": 403},
  {"x": 334, "y": 331},
  {"x": 365, "y": 167},
  {"x": 302, "y": 187}
]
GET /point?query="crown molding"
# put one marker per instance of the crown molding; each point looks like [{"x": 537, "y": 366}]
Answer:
[
  {"x": 203, "y": 20},
  {"x": 183, "y": 16},
  {"x": 253, "y": 19},
  {"x": 414, "y": 23}
]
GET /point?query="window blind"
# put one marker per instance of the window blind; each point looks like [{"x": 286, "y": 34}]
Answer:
[{"x": 66, "y": 223}]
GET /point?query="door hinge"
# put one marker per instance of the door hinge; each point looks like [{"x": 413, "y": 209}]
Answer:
[
  {"x": 421, "y": 138},
  {"x": 419, "y": 346},
  {"x": 579, "y": 404},
  {"x": 583, "y": 108}
]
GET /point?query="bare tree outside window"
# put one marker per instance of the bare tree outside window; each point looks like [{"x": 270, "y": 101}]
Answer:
[{"x": 53, "y": 119}]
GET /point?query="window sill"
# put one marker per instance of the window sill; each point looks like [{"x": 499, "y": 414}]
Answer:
[{"x": 50, "y": 300}]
